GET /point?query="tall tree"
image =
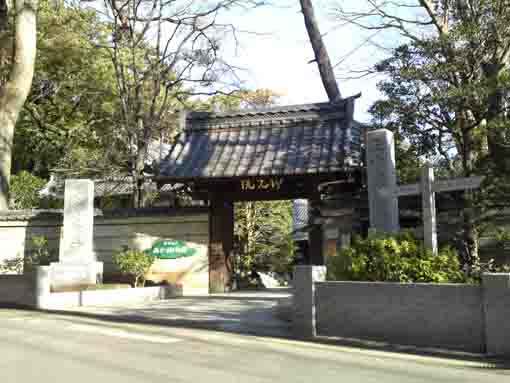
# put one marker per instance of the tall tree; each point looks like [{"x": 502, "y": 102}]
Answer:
[
  {"x": 162, "y": 53},
  {"x": 321, "y": 54},
  {"x": 445, "y": 90},
  {"x": 262, "y": 233},
  {"x": 242, "y": 99},
  {"x": 64, "y": 123},
  {"x": 15, "y": 89}
]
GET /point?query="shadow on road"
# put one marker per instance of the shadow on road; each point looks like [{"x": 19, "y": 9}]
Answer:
[{"x": 251, "y": 314}]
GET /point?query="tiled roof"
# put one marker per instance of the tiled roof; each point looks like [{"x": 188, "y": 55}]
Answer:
[
  {"x": 125, "y": 186},
  {"x": 102, "y": 187},
  {"x": 286, "y": 140},
  {"x": 58, "y": 214}
]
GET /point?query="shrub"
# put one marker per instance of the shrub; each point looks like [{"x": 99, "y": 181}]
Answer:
[
  {"x": 13, "y": 265},
  {"x": 39, "y": 255},
  {"x": 24, "y": 190},
  {"x": 134, "y": 262},
  {"x": 399, "y": 258}
]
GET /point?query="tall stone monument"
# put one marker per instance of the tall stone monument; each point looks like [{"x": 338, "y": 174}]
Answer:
[
  {"x": 382, "y": 181},
  {"x": 428, "y": 203},
  {"x": 77, "y": 264}
]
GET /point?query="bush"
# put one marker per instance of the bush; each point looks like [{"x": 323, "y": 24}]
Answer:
[
  {"x": 399, "y": 258},
  {"x": 39, "y": 255},
  {"x": 134, "y": 262},
  {"x": 24, "y": 190}
]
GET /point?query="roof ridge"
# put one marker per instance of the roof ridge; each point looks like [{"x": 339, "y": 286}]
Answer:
[{"x": 267, "y": 110}]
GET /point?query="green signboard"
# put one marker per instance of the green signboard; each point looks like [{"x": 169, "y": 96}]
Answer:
[{"x": 171, "y": 249}]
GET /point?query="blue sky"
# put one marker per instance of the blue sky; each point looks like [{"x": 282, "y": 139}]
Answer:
[
  {"x": 277, "y": 56},
  {"x": 274, "y": 52}
]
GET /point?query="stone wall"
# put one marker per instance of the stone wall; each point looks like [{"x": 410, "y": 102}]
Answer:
[
  {"x": 432, "y": 315},
  {"x": 33, "y": 290},
  {"x": 470, "y": 318},
  {"x": 118, "y": 229},
  {"x": 16, "y": 290}
]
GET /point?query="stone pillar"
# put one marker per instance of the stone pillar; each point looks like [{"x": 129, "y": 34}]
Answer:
[
  {"x": 304, "y": 320},
  {"x": 77, "y": 265},
  {"x": 496, "y": 306},
  {"x": 382, "y": 181},
  {"x": 429, "y": 208},
  {"x": 42, "y": 285}
]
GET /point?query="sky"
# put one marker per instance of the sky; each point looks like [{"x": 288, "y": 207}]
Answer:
[{"x": 276, "y": 54}]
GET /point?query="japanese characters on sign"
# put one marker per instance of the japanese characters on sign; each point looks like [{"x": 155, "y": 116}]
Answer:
[
  {"x": 171, "y": 249},
  {"x": 261, "y": 184}
]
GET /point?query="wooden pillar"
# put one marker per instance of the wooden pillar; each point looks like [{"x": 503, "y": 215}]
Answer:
[
  {"x": 316, "y": 256},
  {"x": 221, "y": 230},
  {"x": 315, "y": 235}
]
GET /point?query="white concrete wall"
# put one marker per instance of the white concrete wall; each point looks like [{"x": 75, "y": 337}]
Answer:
[
  {"x": 15, "y": 236},
  {"x": 113, "y": 232}
]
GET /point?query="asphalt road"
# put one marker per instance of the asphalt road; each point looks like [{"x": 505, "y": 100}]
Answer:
[{"x": 44, "y": 348}]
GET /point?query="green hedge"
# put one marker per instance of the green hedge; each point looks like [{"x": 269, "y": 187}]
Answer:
[{"x": 400, "y": 258}]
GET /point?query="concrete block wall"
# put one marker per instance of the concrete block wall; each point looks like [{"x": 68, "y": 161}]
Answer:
[
  {"x": 26, "y": 290},
  {"x": 304, "y": 315},
  {"x": 496, "y": 301},
  {"x": 452, "y": 316},
  {"x": 17, "y": 290},
  {"x": 430, "y": 315},
  {"x": 32, "y": 290}
]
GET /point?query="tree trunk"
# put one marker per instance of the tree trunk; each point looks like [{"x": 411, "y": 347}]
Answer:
[
  {"x": 320, "y": 52},
  {"x": 469, "y": 251},
  {"x": 139, "y": 166},
  {"x": 495, "y": 135},
  {"x": 138, "y": 182},
  {"x": 15, "y": 91},
  {"x": 4, "y": 17}
]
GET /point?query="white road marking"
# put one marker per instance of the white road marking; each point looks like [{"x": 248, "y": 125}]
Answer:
[
  {"x": 24, "y": 319},
  {"x": 123, "y": 334}
]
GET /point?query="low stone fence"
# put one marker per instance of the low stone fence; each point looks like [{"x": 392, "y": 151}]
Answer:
[
  {"x": 58, "y": 301},
  {"x": 32, "y": 290},
  {"x": 453, "y": 316},
  {"x": 17, "y": 290}
]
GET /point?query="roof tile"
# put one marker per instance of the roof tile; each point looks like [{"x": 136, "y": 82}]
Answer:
[{"x": 286, "y": 140}]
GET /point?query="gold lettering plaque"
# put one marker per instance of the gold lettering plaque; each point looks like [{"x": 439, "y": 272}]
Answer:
[{"x": 261, "y": 184}]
